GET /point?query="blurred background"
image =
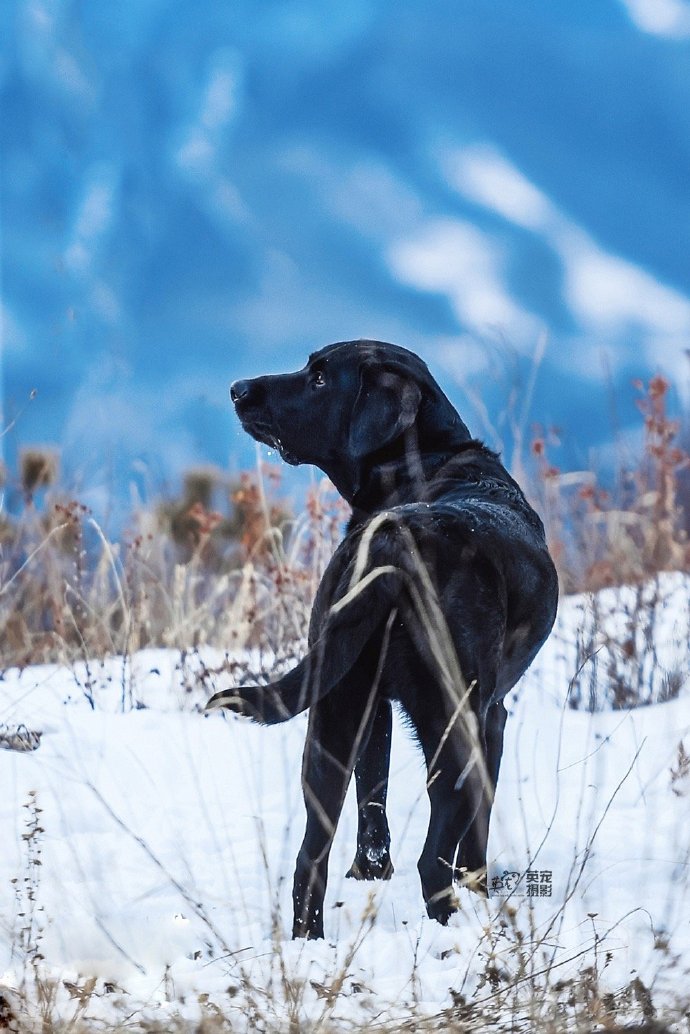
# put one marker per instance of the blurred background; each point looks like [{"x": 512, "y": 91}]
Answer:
[{"x": 192, "y": 193}]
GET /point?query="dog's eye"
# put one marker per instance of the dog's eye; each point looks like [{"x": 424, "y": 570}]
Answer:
[{"x": 318, "y": 380}]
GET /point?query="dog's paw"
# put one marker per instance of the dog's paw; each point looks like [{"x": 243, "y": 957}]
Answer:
[
  {"x": 474, "y": 880},
  {"x": 442, "y": 906},
  {"x": 366, "y": 868},
  {"x": 310, "y": 930}
]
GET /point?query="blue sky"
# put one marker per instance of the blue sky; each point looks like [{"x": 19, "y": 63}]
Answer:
[{"x": 191, "y": 193}]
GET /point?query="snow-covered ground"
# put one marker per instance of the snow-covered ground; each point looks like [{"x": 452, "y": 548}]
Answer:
[{"x": 169, "y": 840}]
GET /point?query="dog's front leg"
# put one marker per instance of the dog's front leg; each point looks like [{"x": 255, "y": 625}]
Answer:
[
  {"x": 329, "y": 758},
  {"x": 340, "y": 726}
]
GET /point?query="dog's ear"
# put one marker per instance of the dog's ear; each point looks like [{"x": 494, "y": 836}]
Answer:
[{"x": 386, "y": 405}]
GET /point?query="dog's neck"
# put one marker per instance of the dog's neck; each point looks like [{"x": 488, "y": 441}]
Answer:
[
  {"x": 392, "y": 481},
  {"x": 411, "y": 475},
  {"x": 399, "y": 471}
]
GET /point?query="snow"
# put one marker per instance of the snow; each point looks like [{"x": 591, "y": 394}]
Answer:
[{"x": 170, "y": 837}]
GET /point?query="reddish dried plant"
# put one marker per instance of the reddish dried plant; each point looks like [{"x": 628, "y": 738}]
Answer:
[
  {"x": 257, "y": 514},
  {"x": 603, "y": 537}
]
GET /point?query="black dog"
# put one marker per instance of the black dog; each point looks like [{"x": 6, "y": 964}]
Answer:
[{"x": 440, "y": 596}]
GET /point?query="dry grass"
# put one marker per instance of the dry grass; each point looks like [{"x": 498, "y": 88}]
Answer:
[
  {"x": 245, "y": 575},
  {"x": 629, "y": 533},
  {"x": 187, "y": 576},
  {"x": 520, "y": 988}
]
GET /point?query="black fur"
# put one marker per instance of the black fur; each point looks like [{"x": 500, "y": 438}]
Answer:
[{"x": 439, "y": 597}]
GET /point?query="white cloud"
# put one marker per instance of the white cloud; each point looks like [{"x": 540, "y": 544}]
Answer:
[
  {"x": 198, "y": 150},
  {"x": 105, "y": 302},
  {"x": 221, "y": 101},
  {"x": 462, "y": 356},
  {"x": 366, "y": 195},
  {"x": 94, "y": 217},
  {"x": 40, "y": 27},
  {"x": 484, "y": 176},
  {"x": 670, "y": 18},
  {"x": 456, "y": 259},
  {"x": 218, "y": 107},
  {"x": 607, "y": 294},
  {"x": 373, "y": 200},
  {"x": 66, "y": 69}
]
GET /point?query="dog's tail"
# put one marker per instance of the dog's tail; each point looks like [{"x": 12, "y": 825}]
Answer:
[{"x": 351, "y": 623}]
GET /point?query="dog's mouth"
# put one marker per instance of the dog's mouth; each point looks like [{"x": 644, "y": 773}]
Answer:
[
  {"x": 284, "y": 453},
  {"x": 263, "y": 433}
]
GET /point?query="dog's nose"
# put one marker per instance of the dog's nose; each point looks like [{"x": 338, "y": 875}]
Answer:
[{"x": 239, "y": 390}]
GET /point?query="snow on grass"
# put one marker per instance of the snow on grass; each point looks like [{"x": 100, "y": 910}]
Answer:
[{"x": 169, "y": 839}]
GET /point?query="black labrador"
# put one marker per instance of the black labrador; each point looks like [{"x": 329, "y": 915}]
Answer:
[{"x": 439, "y": 597}]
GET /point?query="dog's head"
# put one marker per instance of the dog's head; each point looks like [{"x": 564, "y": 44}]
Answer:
[{"x": 352, "y": 402}]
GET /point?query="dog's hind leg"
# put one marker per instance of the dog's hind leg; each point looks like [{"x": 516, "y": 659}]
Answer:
[
  {"x": 472, "y": 852},
  {"x": 456, "y": 789},
  {"x": 372, "y": 858}
]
